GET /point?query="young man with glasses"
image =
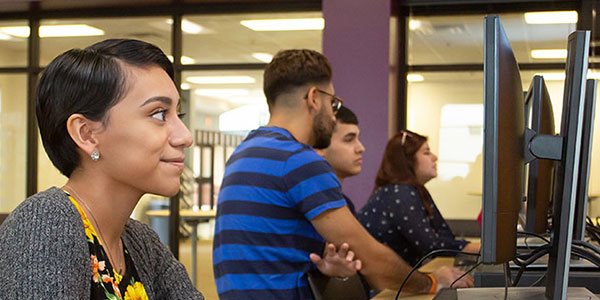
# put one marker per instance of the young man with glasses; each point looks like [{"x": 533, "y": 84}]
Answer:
[{"x": 280, "y": 200}]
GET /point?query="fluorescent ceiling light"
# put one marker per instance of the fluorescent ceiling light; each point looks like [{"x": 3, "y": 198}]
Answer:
[
  {"x": 264, "y": 57},
  {"x": 414, "y": 78},
  {"x": 54, "y": 30},
  {"x": 551, "y": 17},
  {"x": 186, "y": 60},
  {"x": 285, "y": 24},
  {"x": 414, "y": 24},
  {"x": 549, "y": 53},
  {"x": 221, "y": 93},
  {"x": 5, "y": 37},
  {"x": 185, "y": 86},
  {"x": 220, "y": 79},
  {"x": 190, "y": 27}
]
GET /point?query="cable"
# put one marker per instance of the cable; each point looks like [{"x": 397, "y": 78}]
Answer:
[
  {"x": 539, "y": 280},
  {"x": 465, "y": 273},
  {"x": 583, "y": 253},
  {"x": 539, "y": 236},
  {"x": 418, "y": 264},
  {"x": 587, "y": 245},
  {"x": 533, "y": 256},
  {"x": 518, "y": 276},
  {"x": 507, "y": 279}
]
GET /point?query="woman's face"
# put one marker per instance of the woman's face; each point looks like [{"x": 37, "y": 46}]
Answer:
[
  {"x": 425, "y": 164},
  {"x": 141, "y": 145}
]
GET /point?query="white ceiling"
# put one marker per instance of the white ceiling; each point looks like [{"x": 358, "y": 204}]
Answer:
[{"x": 440, "y": 40}]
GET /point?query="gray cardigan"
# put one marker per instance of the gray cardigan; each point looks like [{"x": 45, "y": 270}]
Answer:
[{"x": 44, "y": 254}]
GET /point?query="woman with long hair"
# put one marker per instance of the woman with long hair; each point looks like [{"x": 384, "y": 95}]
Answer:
[
  {"x": 109, "y": 120},
  {"x": 401, "y": 213}
]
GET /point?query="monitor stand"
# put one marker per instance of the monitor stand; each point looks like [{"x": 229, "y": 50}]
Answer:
[{"x": 514, "y": 293}]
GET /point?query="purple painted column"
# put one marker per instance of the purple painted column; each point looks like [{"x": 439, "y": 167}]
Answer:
[{"x": 356, "y": 40}]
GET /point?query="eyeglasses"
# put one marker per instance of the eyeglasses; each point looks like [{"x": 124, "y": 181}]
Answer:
[
  {"x": 336, "y": 102},
  {"x": 404, "y": 133}
]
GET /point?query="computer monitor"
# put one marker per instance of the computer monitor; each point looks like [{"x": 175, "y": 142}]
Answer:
[
  {"x": 503, "y": 153},
  {"x": 540, "y": 120},
  {"x": 567, "y": 172},
  {"x": 586, "y": 157},
  {"x": 503, "y": 145}
]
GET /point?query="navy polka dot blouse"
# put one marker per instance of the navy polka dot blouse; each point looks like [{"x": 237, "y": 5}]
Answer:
[{"x": 395, "y": 216}]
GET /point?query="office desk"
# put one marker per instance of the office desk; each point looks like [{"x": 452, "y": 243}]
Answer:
[
  {"x": 429, "y": 267},
  {"x": 193, "y": 218}
]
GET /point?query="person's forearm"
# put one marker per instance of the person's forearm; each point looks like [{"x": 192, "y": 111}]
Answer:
[{"x": 387, "y": 270}]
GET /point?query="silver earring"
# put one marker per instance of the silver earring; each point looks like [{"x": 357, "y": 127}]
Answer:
[{"x": 95, "y": 155}]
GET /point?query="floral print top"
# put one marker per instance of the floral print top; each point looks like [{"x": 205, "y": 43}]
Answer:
[{"x": 106, "y": 283}]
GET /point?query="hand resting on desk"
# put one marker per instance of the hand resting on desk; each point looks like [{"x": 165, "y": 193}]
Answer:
[{"x": 445, "y": 275}]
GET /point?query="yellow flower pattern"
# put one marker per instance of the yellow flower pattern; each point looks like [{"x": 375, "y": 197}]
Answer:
[
  {"x": 136, "y": 292},
  {"x": 106, "y": 282}
]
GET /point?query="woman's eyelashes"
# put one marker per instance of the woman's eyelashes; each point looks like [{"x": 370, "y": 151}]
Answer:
[{"x": 162, "y": 115}]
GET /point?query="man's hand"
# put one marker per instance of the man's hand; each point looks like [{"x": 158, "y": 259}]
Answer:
[
  {"x": 446, "y": 275},
  {"x": 339, "y": 263}
]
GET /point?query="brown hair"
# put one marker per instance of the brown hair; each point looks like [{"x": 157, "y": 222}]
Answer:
[
  {"x": 293, "y": 68},
  {"x": 398, "y": 164}
]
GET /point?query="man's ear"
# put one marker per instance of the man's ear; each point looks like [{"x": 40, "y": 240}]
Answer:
[
  {"x": 313, "y": 101},
  {"x": 82, "y": 131}
]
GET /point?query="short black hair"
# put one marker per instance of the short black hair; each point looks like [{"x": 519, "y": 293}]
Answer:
[
  {"x": 87, "y": 81},
  {"x": 346, "y": 116},
  {"x": 293, "y": 68}
]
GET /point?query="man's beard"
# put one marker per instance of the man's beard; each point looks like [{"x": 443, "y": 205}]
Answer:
[{"x": 323, "y": 126}]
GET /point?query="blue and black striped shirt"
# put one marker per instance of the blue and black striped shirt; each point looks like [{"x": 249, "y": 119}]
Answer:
[{"x": 273, "y": 186}]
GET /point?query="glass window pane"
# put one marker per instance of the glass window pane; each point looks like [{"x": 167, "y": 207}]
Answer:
[
  {"x": 448, "y": 108},
  {"x": 223, "y": 39},
  {"x": 458, "y": 39},
  {"x": 13, "y": 140},
  {"x": 13, "y": 46},
  {"x": 154, "y": 30},
  {"x": 218, "y": 104}
]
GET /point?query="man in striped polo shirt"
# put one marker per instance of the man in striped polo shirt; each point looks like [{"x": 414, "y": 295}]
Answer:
[{"x": 279, "y": 200}]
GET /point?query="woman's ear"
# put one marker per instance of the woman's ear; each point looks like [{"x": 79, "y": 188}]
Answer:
[{"x": 82, "y": 131}]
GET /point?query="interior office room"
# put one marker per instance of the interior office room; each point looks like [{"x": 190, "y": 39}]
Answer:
[{"x": 398, "y": 64}]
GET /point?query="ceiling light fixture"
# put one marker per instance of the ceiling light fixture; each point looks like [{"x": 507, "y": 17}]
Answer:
[
  {"x": 551, "y": 17},
  {"x": 220, "y": 79},
  {"x": 264, "y": 57},
  {"x": 414, "y": 24},
  {"x": 285, "y": 24},
  {"x": 185, "y": 60},
  {"x": 549, "y": 53},
  {"x": 189, "y": 26},
  {"x": 54, "y": 30},
  {"x": 414, "y": 78}
]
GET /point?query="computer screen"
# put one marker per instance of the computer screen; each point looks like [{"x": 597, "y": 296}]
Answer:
[
  {"x": 540, "y": 119},
  {"x": 503, "y": 146}
]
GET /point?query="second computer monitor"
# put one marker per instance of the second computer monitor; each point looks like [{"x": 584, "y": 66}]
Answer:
[{"x": 540, "y": 119}]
